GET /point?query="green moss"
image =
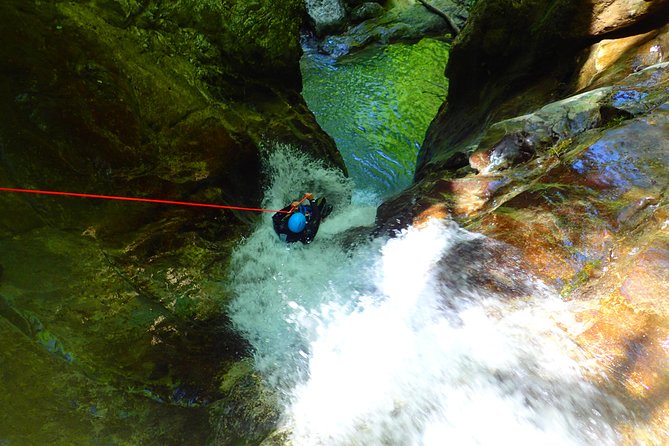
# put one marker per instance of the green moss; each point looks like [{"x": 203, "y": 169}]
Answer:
[
  {"x": 510, "y": 212},
  {"x": 249, "y": 411},
  {"x": 56, "y": 402},
  {"x": 235, "y": 374},
  {"x": 581, "y": 278},
  {"x": 560, "y": 147}
]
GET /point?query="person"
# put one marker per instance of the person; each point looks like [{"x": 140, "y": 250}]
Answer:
[{"x": 299, "y": 222}]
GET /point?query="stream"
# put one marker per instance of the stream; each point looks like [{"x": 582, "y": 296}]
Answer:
[{"x": 394, "y": 341}]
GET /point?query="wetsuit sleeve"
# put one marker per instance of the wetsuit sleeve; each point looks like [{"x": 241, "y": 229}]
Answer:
[
  {"x": 315, "y": 211},
  {"x": 314, "y": 222}
]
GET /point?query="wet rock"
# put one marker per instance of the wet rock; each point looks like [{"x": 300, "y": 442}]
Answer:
[
  {"x": 584, "y": 89},
  {"x": 647, "y": 283},
  {"x": 469, "y": 195},
  {"x": 89, "y": 407},
  {"x": 516, "y": 140},
  {"x": 635, "y": 212},
  {"x": 149, "y": 112},
  {"x": 485, "y": 265},
  {"x": 365, "y": 11},
  {"x": 636, "y": 93},
  {"x": 599, "y": 170},
  {"x": 613, "y": 178},
  {"x": 14, "y": 317},
  {"x": 611, "y": 165},
  {"x": 327, "y": 15},
  {"x": 397, "y": 212},
  {"x": 249, "y": 412},
  {"x": 83, "y": 323},
  {"x": 510, "y": 150},
  {"x": 587, "y": 215},
  {"x": 411, "y": 207},
  {"x": 511, "y": 59},
  {"x": 401, "y": 23},
  {"x": 457, "y": 161},
  {"x": 110, "y": 322},
  {"x": 631, "y": 344},
  {"x": 180, "y": 123},
  {"x": 172, "y": 100}
]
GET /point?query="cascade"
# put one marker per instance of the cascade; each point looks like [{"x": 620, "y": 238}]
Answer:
[{"x": 372, "y": 344}]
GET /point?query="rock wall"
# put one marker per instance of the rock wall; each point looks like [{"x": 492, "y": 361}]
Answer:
[
  {"x": 403, "y": 22},
  {"x": 117, "y": 307},
  {"x": 513, "y": 57},
  {"x": 554, "y": 140},
  {"x": 150, "y": 98}
]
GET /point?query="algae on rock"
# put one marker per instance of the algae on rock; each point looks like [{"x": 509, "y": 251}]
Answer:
[{"x": 122, "y": 302}]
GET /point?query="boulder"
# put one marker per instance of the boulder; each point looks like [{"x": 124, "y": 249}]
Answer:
[
  {"x": 515, "y": 140},
  {"x": 402, "y": 23},
  {"x": 327, "y": 15}
]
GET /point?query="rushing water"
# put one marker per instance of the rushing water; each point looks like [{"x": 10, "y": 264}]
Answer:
[
  {"x": 389, "y": 343},
  {"x": 394, "y": 341},
  {"x": 377, "y": 105}
]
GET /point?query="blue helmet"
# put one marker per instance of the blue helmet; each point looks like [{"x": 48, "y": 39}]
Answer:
[{"x": 297, "y": 222}]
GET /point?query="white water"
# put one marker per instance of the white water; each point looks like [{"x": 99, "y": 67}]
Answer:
[{"x": 369, "y": 347}]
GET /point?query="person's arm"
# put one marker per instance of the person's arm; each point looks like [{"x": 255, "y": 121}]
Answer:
[
  {"x": 278, "y": 216},
  {"x": 314, "y": 222},
  {"x": 315, "y": 211}
]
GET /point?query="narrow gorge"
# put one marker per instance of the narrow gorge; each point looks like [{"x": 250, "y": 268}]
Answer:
[{"x": 495, "y": 269}]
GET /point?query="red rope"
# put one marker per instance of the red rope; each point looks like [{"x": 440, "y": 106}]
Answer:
[
  {"x": 143, "y": 200},
  {"x": 293, "y": 207}
]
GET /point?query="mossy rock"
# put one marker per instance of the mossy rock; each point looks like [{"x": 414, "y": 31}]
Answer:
[
  {"x": 168, "y": 100},
  {"x": 249, "y": 411}
]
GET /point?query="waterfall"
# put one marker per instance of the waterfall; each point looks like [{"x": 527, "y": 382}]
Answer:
[{"x": 390, "y": 342}]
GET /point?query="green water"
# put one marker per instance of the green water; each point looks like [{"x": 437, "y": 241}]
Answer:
[{"x": 377, "y": 105}]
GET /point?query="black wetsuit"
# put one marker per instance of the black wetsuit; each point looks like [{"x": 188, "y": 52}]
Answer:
[{"x": 313, "y": 213}]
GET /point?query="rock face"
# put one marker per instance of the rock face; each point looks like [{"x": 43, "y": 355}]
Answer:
[
  {"x": 159, "y": 90},
  {"x": 116, "y": 308},
  {"x": 554, "y": 140},
  {"x": 514, "y": 57}
]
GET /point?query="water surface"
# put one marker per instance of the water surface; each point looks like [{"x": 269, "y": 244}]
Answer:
[
  {"x": 377, "y": 104},
  {"x": 372, "y": 344}
]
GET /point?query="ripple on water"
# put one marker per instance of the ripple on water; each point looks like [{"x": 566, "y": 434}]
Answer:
[{"x": 377, "y": 104}]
